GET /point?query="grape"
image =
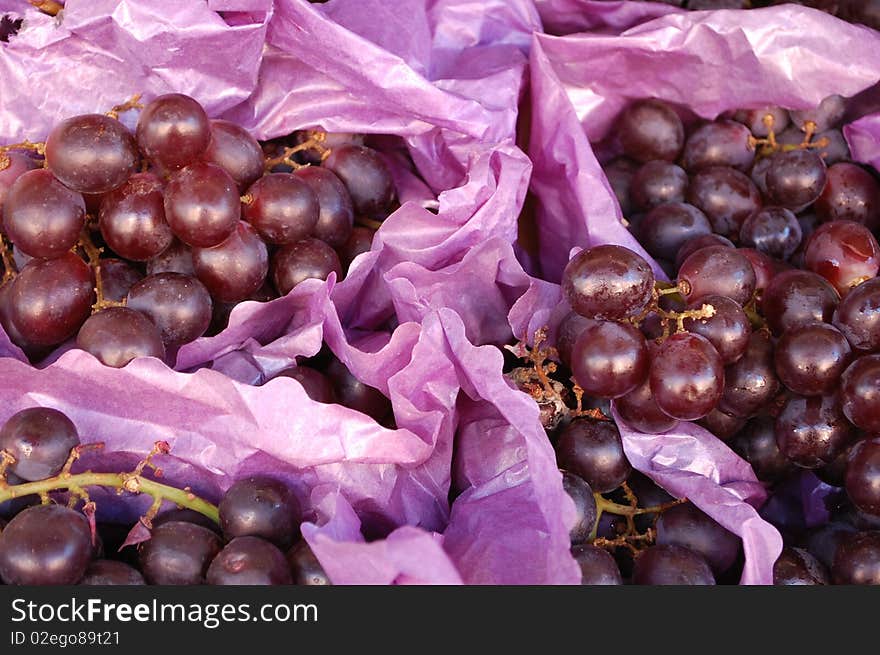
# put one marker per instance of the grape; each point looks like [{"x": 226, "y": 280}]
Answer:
[
  {"x": 835, "y": 472},
  {"x": 316, "y": 385},
  {"x": 92, "y": 153},
  {"x": 764, "y": 266},
  {"x": 671, "y": 565},
  {"x": 650, "y": 129},
  {"x": 608, "y": 282},
  {"x": 178, "y": 553},
  {"x": 366, "y": 177},
  {"x": 824, "y": 542},
  {"x": 687, "y": 376},
  {"x": 132, "y": 218},
  {"x": 694, "y": 244},
  {"x": 260, "y": 506},
  {"x": 179, "y": 305},
  {"x": 669, "y": 226},
  {"x": 728, "y": 329},
  {"x": 281, "y": 208},
  {"x": 233, "y": 149},
  {"x": 851, "y": 193},
  {"x": 837, "y": 149},
  {"x": 249, "y": 561},
  {"x": 796, "y": 566},
  {"x": 862, "y": 478},
  {"x": 305, "y": 567},
  {"x": 235, "y": 268},
  {"x": 754, "y": 120},
  {"x": 796, "y": 298},
  {"x": 173, "y": 131},
  {"x": 756, "y": 443},
  {"x": 772, "y": 230},
  {"x": 844, "y": 253},
  {"x": 336, "y": 214},
  {"x": 717, "y": 271},
  {"x": 685, "y": 525},
  {"x": 105, "y": 572},
  {"x": 359, "y": 241},
  {"x": 585, "y": 506},
  {"x": 313, "y": 154},
  {"x": 758, "y": 174},
  {"x": 353, "y": 393},
  {"x": 597, "y": 565},
  {"x": 658, "y": 182},
  {"x": 726, "y": 196},
  {"x": 810, "y": 359},
  {"x": 750, "y": 382},
  {"x": 117, "y": 277},
  {"x": 45, "y": 545},
  {"x": 42, "y": 217},
  {"x": 186, "y": 515},
  {"x": 118, "y": 335},
  {"x": 619, "y": 173},
  {"x": 860, "y": 393},
  {"x": 570, "y": 329},
  {"x": 609, "y": 359},
  {"x": 827, "y": 115},
  {"x": 640, "y": 412},
  {"x": 40, "y": 439},
  {"x": 858, "y": 316},
  {"x": 176, "y": 258},
  {"x": 593, "y": 451},
  {"x": 795, "y": 178},
  {"x": 724, "y": 426},
  {"x": 12, "y": 166},
  {"x": 719, "y": 143},
  {"x": 50, "y": 299},
  {"x": 857, "y": 560},
  {"x": 309, "y": 258},
  {"x": 812, "y": 431},
  {"x": 202, "y": 205}
]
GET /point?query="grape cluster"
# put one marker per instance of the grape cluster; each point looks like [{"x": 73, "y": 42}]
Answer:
[
  {"x": 252, "y": 538},
  {"x": 136, "y": 244}
]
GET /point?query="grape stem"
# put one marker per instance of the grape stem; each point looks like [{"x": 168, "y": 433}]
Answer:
[
  {"x": 133, "y": 482},
  {"x": 363, "y": 221},
  {"x": 9, "y": 268},
  {"x": 315, "y": 140},
  {"x": 128, "y": 105},
  {"x": 37, "y": 147},
  {"x": 51, "y": 7},
  {"x": 94, "y": 255}
]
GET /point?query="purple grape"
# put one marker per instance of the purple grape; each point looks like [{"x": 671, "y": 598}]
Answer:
[
  {"x": 650, "y": 129},
  {"x": 336, "y": 214},
  {"x": 179, "y": 305},
  {"x": 671, "y": 565},
  {"x": 727, "y": 197},
  {"x": 593, "y": 451},
  {"x": 685, "y": 525},
  {"x": 585, "y": 506},
  {"x": 202, "y": 205},
  {"x": 234, "y": 269},
  {"x": 173, "y": 131},
  {"x": 305, "y": 567},
  {"x": 260, "y": 506},
  {"x": 851, "y": 193},
  {"x": 233, "y": 149},
  {"x": 366, "y": 177},
  {"x": 609, "y": 359},
  {"x": 796, "y": 298},
  {"x": 860, "y": 393},
  {"x": 812, "y": 431},
  {"x": 858, "y": 316},
  {"x": 728, "y": 329},
  {"x": 597, "y": 565},
  {"x": 40, "y": 439},
  {"x": 796, "y": 566},
  {"x": 844, "y": 253},
  {"x": 857, "y": 560},
  {"x": 608, "y": 282},
  {"x": 118, "y": 335},
  {"x": 862, "y": 478},
  {"x": 811, "y": 358},
  {"x": 756, "y": 443},
  {"x": 750, "y": 382},
  {"x": 717, "y": 271},
  {"x": 687, "y": 376},
  {"x": 132, "y": 218},
  {"x": 178, "y": 553},
  {"x": 281, "y": 208},
  {"x": 719, "y": 143},
  {"x": 667, "y": 227},
  {"x": 656, "y": 183},
  {"x": 309, "y": 258},
  {"x": 795, "y": 178},
  {"x": 249, "y": 561},
  {"x": 774, "y": 231}
]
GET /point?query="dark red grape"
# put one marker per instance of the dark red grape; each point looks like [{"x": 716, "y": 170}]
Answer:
[
  {"x": 117, "y": 277},
  {"x": 724, "y": 426},
  {"x": 619, "y": 173},
  {"x": 593, "y": 450},
  {"x": 719, "y": 143},
  {"x": 249, "y": 561},
  {"x": 726, "y": 196},
  {"x": 305, "y": 567},
  {"x": 827, "y": 115},
  {"x": 608, "y": 282},
  {"x": 860, "y": 393},
  {"x": 796, "y": 566},
  {"x": 756, "y": 120},
  {"x": 687, "y": 376},
  {"x": 118, "y": 335},
  {"x": 811, "y": 358},
  {"x": 758, "y": 174},
  {"x": 685, "y": 525},
  {"x": 669, "y": 226},
  {"x": 640, "y": 412},
  {"x": 717, "y": 271},
  {"x": 851, "y": 193},
  {"x": 812, "y": 431},
  {"x": 597, "y": 565},
  {"x": 132, "y": 218},
  {"x": 105, "y": 572},
  {"x": 764, "y": 266},
  {"x": 50, "y": 299},
  {"x": 176, "y": 258},
  {"x": 314, "y": 154},
  {"x": 570, "y": 329},
  {"x": 772, "y": 230},
  {"x": 858, "y": 316},
  {"x": 202, "y": 205},
  {"x": 609, "y": 359},
  {"x": 45, "y": 545},
  {"x": 281, "y": 208},
  {"x": 309, "y": 258},
  {"x": 836, "y": 149},
  {"x": 728, "y": 329},
  {"x": 353, "y": 393},
  {"x": 658, "y": 182},
  {"x": 844, "y": 253},
  {"x": 12, "y": 166},
  {"x": 756, "y": 444},
  {"x": 795, "y": 178},
  {"x": 650, "y": 129},
  {"x": 585, "y": 506},
  {"x": 173, "y": 131},
  {"x": 260, "y": 506},
  {"x": 359, "y": 241},
  {"x": 235, "y": 268},
  {"x": 178, "y": 553},
  {"x": 92, "y": 153},
  {"x": 40, "y": 439},
  {"x": 835, "y": 472},
  {"x": 366, "y": 177},
  {"x": 233, "y": 149},
  {"x": 179, "y": 305},
  {"x": 857, "y": 560},
  {"x": 862, "y": 478},
  {"x": 750, "y": 382},
  {"x": 41, "y": 216},
  {"x": 316, "y": 385},
  {"x": 671, "y": 565},
  {"x": 336, "y": 214},
  {"x": 795, "y": 298},
  {"x": 696, "y": 243}
]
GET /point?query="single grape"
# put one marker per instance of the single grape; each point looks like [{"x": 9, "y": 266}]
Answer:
[
  {"x": 118, "y": 335},
  {"x": 336, "y": 213},
  {"x": 40, "y": 439},
  {"x": 92, "y": 153},
  {"x": 696, "y": 243},
  {"x": 811, "y": 358},
  {"x": 117, "y": 277},
  {"x": 756, "y": 444},
  {"x": 608, "y": 282},
  {"x": 667, "y": 227},
  {"x": 639, "y": 410},
  {"x": 796, "y": 298},
  {"x": 796, "y": 566},
  {"x": 750, "y": 382},
  {"x": 851, "y": 193},
  {"x": 309, "y": 258},
  {"x": 305, "y": 567},
  {"x": 570, "y": 329},
  {"x": 758, "y": 174},
  {"x": 132, "y": 218},
  {"x": 862, "y": 479},
  {"x": 726, "y": 196},
  {"x": 668, "y": 564},
  {"x": 316, "y": 385},
  {"x": 619, "y": 173},
  {"x": 844, "y": 253},
  {"x": 719, "y": 143},
  {"x": 178, "y": 553},
  {"x": 104, "y": 572},
  {"x": 858, "y": 316},
  {"x": 13, "y": 165},
  {"x": 202, "y": 205},
  {"x": 687, "y": 376},
  {"x": 728, "y": 329},
  {"x": 260, "y": 506},
  {"x": 685, "y": 525},
  {"x": 609, "y": 359},
  {"x": 314, "y": 154},
  {"x": 724, "y": 426},
  {"x": 281, "y": 208},
  {"x": 650, "y": 129},
  {"x": 176, "y": 258},
  {"x": 233, "y": 149},
  {"x": 50, "y": 299},
  {"x": 795, "y": 178},
  {"x": 585, "y": 506},
  {"x": 173, "y": 131},
  {"x": 827, "y": 115},
  {"x": 812, "y": 431},
  {"x": 836, "y": 149},
  {"x": 41, "y": 216},
  {"x": 860, "y": 393},
  {"x": 353, "y": 393},
  {"x": 756, "y": 120},
  {"x": 772, "y": 230},
  {"x": 765, "y": 267},
  {"x": 717, "y": 271},
  {"x": 857, "y": 560},
  {"x": 45, "y": 545},
  {"x": 834, "y": 473},
  {"x": 249, "y": 561},
  {"x": 597, "y": 565},
  {"x": 658, "y": 182},
  {"x": 235, "y": 268},
  {"x": 179, "y": 305},
  {"x": 593, "y": 450},
  {"x": 359, "y": 241},
  {"x": 366, "y": 177}
]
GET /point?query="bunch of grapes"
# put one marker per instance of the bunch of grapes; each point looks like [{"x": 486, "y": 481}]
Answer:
[
  {"x": 768, "y": 335},
  {"x": 251, "y": 538},
  {"x": 136, "y": 244}
]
